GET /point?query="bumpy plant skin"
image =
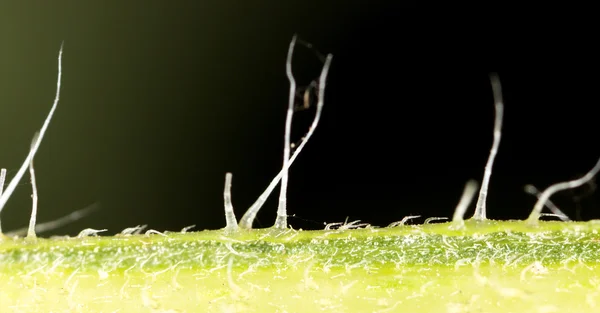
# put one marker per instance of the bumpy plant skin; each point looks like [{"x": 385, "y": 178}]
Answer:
[{"x": 488, "y": 266}]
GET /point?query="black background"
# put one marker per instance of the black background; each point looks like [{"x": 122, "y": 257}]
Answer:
[{"x": 161, "y": 98}]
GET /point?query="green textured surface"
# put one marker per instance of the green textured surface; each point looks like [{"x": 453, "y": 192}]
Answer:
[{"x": 484, "y": 267}]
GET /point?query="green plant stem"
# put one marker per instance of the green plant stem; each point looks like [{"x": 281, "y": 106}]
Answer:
[{"x": 486, "y": 266}]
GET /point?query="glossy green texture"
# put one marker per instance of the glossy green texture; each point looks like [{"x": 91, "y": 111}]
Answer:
[{"x": 491, "y": 266}]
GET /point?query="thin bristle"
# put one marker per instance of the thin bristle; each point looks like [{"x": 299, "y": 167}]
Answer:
[
  {"x": 57, "y": 223},
  {"x": 553, "y": 208},
  {"x": 229, "y": 215},
  {"x": 403, "y": 221},
  {"x": 281, "y": 220},
  {"x": 248, "y": 219},
  {"x": 2, "y": 180},
  {"x": 433, "y": 219},
  {"x": 15, "y": 181},
  {"x": 90, "y": 232},
  {"x": 480, "y": 208},
  {"x": 34, "y": 195},
  {"x": 463, "y": 204},
  {"x": 539, "y": 205},
  {"x": 136, "y": 230}
]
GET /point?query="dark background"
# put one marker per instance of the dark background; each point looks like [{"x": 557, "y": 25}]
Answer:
[{"x": 161, "y": 98}]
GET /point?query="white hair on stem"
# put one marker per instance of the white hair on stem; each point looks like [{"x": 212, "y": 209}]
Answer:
[
  {"x": 15, "y": 181},
  {"x": 248, "y": 219},
  {"x": 281, "y": 220},
  {"x": 187, "y": 228},
  {"x": 403, "y": 221},
  {"x": 57, "y": 223},
  {"x": 34, "y": 195},
  {"x": 229, "y": 215},
  {"x": 90, "y": 232},
  {"x": 136, "y": 230},
  {"x": 553, "y": 208},
  {"x": 463, "y": 204},
  {"x": 480, "y": 208},
  {"x": 543, "y": 198},
  {"x": 433, "y": 219},
  {"x": 2, "y": 179}
]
